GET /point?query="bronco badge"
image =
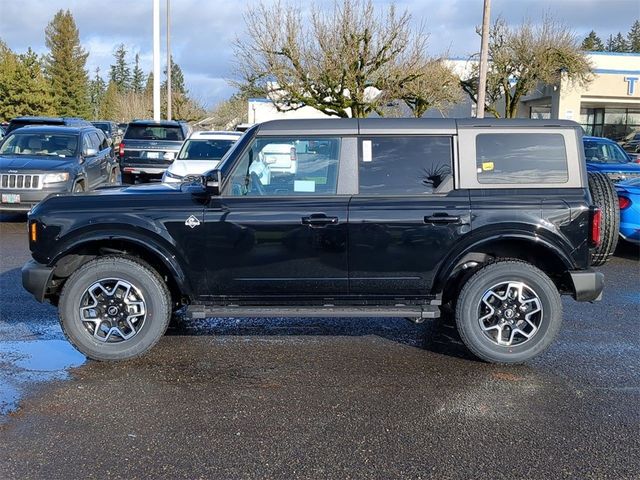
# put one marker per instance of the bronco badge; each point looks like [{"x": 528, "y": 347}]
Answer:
[{"x": 192, "y": 222}]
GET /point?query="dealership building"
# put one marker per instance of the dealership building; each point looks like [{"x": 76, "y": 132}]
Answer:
[{"x": 607, "y": 106}]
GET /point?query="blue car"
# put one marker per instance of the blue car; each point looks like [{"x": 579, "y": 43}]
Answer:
[
  {"x": 606, "y": 156},
  {"x": 629, "y": 199}
]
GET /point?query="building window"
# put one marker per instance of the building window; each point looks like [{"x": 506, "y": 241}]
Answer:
[
  {"x": 540, "y": 113},
  {"x": 613, "y": 123}
]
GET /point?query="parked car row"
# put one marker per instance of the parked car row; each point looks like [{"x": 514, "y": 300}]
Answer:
[{"x": 144, "y": 150}]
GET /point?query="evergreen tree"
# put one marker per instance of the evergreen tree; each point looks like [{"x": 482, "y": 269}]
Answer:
[
  {"x": 97, "y": 89},
  {"x": 120, "y": 73},
  {"x": 617, "y": 43},
  {"x": 177, "y": 79},
  {"x": 633, "y": 37},
  {"x": 23, "y": 87},
  {"x": 137, "y": 79},
  {"x": 109, "y": 104},
  {"x": 65, "y": 66},
  {"x": 592, "y": 43}
]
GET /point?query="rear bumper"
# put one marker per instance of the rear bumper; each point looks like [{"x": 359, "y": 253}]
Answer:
[
  {"x": 35, "y": 278},
  {"x": 587, "y": 285}
]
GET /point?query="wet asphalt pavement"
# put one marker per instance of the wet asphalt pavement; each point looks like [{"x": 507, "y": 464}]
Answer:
[{"x": 345, "y": 398}]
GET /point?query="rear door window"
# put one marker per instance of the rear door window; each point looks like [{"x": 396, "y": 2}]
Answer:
[
  {"x": 521, "y": 158},
  {"x": 153, "y": 132},
  {"x": 405, "y": 165}
]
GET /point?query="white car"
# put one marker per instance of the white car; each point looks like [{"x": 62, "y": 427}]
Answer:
[
  {"x": 281, "y": 157},
  {"x": 201, "y": 152}
]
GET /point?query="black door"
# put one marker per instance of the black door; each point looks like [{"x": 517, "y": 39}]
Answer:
[
  {"x": 279, "y": 229},
  {"x": 406, "y": 217}
]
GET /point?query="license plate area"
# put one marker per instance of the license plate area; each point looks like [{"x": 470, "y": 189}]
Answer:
[
  {"x": 10, "y": 198},
  {"x": 154, "y": 155}
]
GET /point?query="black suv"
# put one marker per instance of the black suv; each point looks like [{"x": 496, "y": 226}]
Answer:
[
  {"x": 333, "y": 218},
  {"x": 36, "y": 161},
  {"x": 19, "y": 122},
  {"x": 149, "y": 147}
]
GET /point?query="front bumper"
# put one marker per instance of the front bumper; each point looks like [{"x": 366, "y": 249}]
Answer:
[
  {"x": 587, "y": 285},
  {"x": 36, "y": 278},
  {"x": 30, "y": 198}
]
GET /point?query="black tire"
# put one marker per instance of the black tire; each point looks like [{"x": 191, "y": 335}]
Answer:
[
  {"x": 604, "y": 196},
  {"x": 469, "y": 310},
  {"x": 145, "y": 281},
  {"x": 78, "y": 187},
  {"x": 128, "y": 179}
]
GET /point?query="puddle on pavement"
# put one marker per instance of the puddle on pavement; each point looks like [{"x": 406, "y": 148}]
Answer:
[{"x": 24, "y": 363}]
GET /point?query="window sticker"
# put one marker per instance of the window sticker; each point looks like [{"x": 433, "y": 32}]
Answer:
[
  {"x": 307, "y": 186},
  {"x": 366, "y": 151},
  {"x": 487, "y": 166}
]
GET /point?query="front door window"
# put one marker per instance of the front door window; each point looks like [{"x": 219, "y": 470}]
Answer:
[{"x": 287, "y": 166}]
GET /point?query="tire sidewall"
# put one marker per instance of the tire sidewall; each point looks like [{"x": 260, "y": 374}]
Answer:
[
  {"x": 157, "y": 307},
  {"x": 472, "y": 293}
]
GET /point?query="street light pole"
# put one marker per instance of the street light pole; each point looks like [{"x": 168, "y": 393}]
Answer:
[
  {"x": 168, "y": 60},
  {"x": 484, "y": 54},
  {"x": 156, "y": 60}
]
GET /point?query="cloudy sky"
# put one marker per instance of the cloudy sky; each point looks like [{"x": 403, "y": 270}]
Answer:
[{"x": 203, "y": 31}]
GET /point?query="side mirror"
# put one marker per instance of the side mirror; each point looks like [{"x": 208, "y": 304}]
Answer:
[
  {"x": 213, "y": 181},
  {"x": 90, "y": 152}
]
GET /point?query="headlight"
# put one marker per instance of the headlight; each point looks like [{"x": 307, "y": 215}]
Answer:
[
  {"x": 173, "y": 175},
  {"x": 56, "y": 177}
]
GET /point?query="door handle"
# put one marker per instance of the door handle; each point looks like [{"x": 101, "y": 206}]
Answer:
[
  {"x": 319, "y": 220},
  {"x": 442, "y": 219}
]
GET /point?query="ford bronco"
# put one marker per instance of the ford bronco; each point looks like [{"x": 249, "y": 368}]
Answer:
[{"x": 380, "y": 218}]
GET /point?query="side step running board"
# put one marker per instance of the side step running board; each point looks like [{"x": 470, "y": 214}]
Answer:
[{"x": 417, "y": 311}]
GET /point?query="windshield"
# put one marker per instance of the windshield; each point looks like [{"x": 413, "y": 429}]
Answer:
[
  {"x": 604, "y": 152},
  {"x": 153, "y": 132},
  {"x": 40, "y": 144},
  {"x": 204, "y": 149}
]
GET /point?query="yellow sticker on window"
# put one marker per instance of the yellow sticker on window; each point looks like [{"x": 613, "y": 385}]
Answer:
[{"x": 487, "y": 166}]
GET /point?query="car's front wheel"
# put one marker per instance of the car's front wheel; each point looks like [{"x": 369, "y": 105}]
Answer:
[
  {"x": 508, "y": 312},
  {"x": 114, "y": 308}
]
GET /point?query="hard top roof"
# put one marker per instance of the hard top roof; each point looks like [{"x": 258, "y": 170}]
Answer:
[{"x": 377, "y": 126}]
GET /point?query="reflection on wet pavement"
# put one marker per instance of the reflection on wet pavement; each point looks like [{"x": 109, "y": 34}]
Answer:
[{"x": 26, "y": 362}]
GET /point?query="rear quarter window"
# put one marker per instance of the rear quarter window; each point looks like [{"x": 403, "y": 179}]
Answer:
[{"x": 527, "y": 158}]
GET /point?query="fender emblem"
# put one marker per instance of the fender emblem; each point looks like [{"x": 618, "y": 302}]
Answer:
[{"x": 192, "y": 222}]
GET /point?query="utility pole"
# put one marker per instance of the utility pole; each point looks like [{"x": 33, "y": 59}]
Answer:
[
  {"x": 156, "y": 60},
  {"x": 484, "y": 54},
  {"x": 168, "y": 60}
]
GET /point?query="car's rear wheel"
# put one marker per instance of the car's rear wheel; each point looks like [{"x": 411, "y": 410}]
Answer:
[
  {"x": 508, "y": 312},
  {"x": 114, "y": 308},
  {"x": 604, "y": 196}
]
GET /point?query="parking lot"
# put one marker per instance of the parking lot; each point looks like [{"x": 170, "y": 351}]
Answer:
[{"x": 340, "y": 398}]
